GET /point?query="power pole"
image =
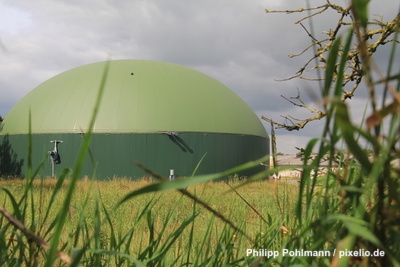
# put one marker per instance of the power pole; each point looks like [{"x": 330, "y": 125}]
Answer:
[{"x": 273, "y": 146}]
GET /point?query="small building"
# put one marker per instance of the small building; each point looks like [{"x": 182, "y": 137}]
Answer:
[
  {"x": 162, "y": 115},
  {"x": 294, "y": 165},
  {"x": 293, "y": 162}
]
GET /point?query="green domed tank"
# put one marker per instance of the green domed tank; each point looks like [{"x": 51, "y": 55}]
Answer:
[{"x": 163, "y": 115}]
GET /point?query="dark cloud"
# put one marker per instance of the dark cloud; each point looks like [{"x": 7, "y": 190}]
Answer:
[{"x": 233, "y": 41}]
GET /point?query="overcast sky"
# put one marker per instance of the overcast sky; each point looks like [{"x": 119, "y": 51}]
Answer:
[{"x": 234, "y": 41}]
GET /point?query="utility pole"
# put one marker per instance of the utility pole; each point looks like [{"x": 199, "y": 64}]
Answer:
[{"x": 273, "y": 146}]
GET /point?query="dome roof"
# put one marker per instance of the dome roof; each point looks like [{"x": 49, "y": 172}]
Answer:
[{"x": 140, "y": 96}]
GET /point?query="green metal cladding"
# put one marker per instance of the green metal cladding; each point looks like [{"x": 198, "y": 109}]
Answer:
[{"x": 142, "y": 101}]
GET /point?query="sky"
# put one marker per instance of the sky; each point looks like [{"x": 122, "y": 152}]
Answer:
[{"x": 233, "y": 41}]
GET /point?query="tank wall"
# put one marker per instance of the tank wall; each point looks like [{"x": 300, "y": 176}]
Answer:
[{"x": 115, "y": 154}]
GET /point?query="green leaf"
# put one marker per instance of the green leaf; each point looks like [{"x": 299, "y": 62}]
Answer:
[
  {"x": 346, "y": 219},
  {"x": 348, "y": 130},
  {"x": 362, "y": 232},
  {"x": 331, "y": 66},
  {"x": 355, "y": 226},
  {"x": 351, "y": 188}
]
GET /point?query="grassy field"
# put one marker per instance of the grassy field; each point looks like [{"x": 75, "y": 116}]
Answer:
[{"x": 151, "y": 220}]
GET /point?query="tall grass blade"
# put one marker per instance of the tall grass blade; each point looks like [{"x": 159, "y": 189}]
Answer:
[
  {"x": 165, "y": 184},
  {"x": 198, "y": 165},
  {"x": 179, "y": 183},
  {"x": 347, "y": 129},
  {"x": 75, "y": 175},
  {"x": 331, "y": 67}
]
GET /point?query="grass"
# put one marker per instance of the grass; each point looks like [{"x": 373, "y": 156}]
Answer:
[{"x": 153, "y": 217}]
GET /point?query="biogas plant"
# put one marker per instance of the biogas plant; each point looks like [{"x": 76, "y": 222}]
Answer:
[{"x": 165, "y": 116}]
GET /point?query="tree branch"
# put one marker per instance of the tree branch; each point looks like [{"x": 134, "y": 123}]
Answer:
[{"x": 354, "y": 69}]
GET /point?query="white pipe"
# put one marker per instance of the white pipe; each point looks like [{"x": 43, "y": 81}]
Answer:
[{"x": 171, "y": 174}]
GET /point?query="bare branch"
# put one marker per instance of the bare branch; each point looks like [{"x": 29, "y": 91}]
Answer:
[
  {"x": 301, "y": 102},
  {"x": 300, "y": 10},
  {"x": 325, "y": 7},
  {"x": 354, "y": 69}
]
